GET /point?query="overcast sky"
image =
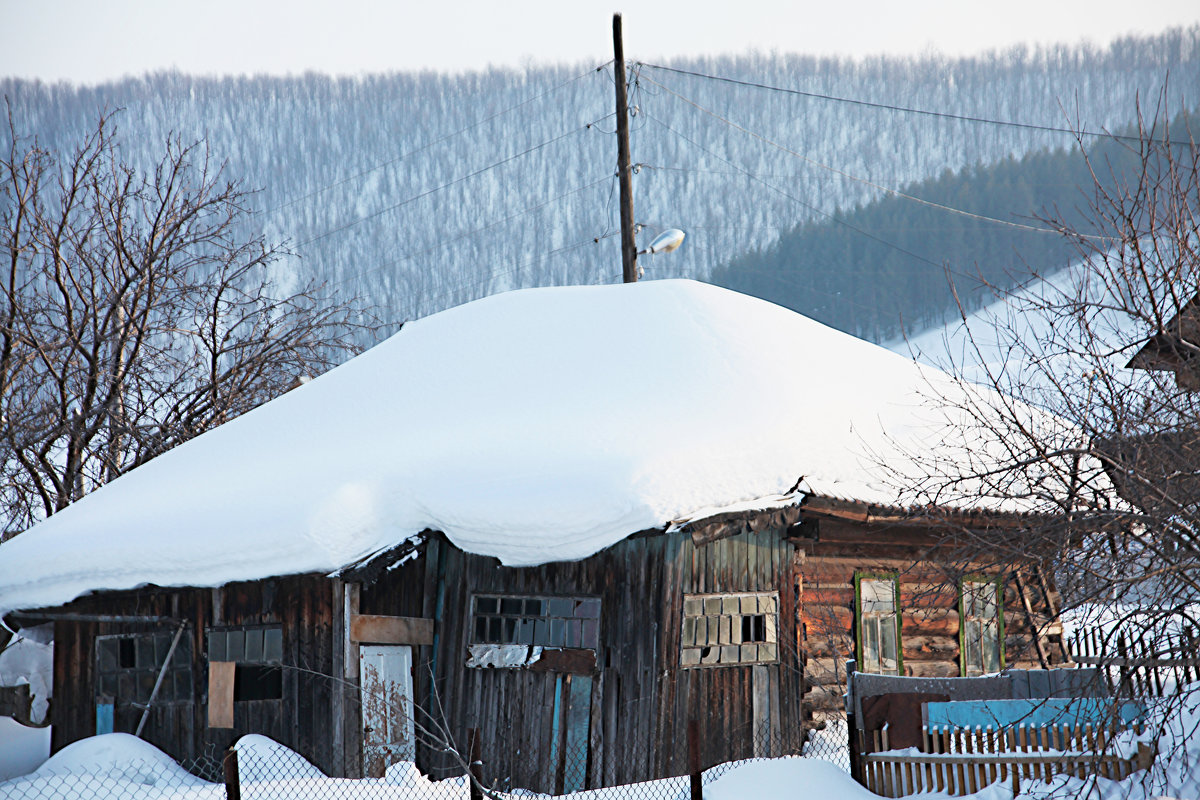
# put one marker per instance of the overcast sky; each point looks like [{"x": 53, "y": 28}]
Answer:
[{"x": 96, "y": 40}]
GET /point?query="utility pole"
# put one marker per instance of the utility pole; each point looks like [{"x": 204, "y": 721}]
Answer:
[{"x": 624, "y": 169}]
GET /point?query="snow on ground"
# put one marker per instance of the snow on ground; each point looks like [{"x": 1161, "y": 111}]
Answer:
[
  {"x": 22, "y": 749},
  {"x": 28, "y": 659},
  {"x": 786, "y": 778},
  {"x": 121, "y": 765},
  {"x": 533, "y": 426}
]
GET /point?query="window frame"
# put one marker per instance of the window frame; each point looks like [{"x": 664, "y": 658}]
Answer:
[
  {"x": 181, "y": 659},
  {"x": 771, "y": 629},
  {"x": 589, "y": 627},
  {"x": 998, "y": 582},
  {"x": 894, "y": 577},
  {"x": 250, "y": 669}
]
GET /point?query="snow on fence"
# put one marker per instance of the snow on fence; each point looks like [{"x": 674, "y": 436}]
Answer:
[{"x": 963, "y": 761}]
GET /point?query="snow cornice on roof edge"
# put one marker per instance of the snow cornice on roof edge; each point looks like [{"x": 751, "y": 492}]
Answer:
[{"x": 523, "y": 429}]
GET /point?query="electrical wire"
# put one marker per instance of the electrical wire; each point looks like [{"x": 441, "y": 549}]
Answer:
[
  {"x": 908, "y": 110},
  {"x": 864, "y": 181},
  {"x": 795, "y": 199},
  {"x": 431, "y": 143},
  {"x": 454, "y": 182},
  {"x": 473, "y": 232}
]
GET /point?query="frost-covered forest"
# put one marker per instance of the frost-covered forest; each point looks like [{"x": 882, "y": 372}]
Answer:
[{"x": 423, "y": 191}]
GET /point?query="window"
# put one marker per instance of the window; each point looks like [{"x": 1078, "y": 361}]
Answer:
[
  {"x": 723, "y": 629},
  {"x": 572, "y": 622},
  {"x": 878, "y": 619},
  {"x": 982, "y": 630},
  {"x": 127, "y": 667},
  {"x": 258, "y": 653}
]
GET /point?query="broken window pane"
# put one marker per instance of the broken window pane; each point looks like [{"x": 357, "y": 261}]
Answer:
[
  {"x": 732, "y": 621},
  {"x": 541, "y": 621}
]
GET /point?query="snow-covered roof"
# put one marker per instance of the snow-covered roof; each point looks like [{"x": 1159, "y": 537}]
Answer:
[{"x": 533, "y": 426}]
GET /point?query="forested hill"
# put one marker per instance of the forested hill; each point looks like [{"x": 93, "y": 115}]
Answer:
[
  {"x": 884, "y": 268},
  {"x": 422, "y": 191}
]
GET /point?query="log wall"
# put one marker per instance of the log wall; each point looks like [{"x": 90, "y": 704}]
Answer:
[{"x": 928, "y": 571}]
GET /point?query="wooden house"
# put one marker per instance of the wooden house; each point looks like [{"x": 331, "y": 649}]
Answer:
[
  {"x": 567, "y": 590},
  {"x": 1173, "y": 349},
  {"x": 575, "y": 674}
]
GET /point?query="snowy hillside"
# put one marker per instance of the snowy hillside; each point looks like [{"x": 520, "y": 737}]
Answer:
[
  {"x": 1013, "y": 341},
  {"x": 424, "y": 191}
]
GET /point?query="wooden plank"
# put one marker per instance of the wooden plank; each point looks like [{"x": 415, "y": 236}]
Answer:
[
  {"x": 1033, "y": 626},
  {"x": 220, "y": 693},
  {"x": 761, "y": 708},
  {"x": 379, "y": 629},
  {"x": 577, "y": 661}
]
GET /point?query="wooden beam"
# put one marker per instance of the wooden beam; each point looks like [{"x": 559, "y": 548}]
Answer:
[
  {"x": 350, "y": 599},
  {"x": 1043, "y": 659},
  {"x": 378, "y": 629},
  {"x": 577, "y": 661}
]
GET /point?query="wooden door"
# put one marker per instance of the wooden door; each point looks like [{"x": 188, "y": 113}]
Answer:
[
  {"x": 385, "y": 678},
  {"x": 569, "y": 735}
]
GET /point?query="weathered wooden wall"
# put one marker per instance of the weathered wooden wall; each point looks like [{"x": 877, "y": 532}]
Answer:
[
  {"x": 303, "y": 720},
  {"x": 641, "y": 698},
  {"x": 928, "y": 570}
]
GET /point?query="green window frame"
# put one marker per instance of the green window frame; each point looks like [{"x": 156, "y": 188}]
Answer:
[
  {"x": 877, "y": 623},
  {"x": 981, "y": 625}
]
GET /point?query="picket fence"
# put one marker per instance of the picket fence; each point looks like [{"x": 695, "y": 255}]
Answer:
[{"x": 962, "y": 761}]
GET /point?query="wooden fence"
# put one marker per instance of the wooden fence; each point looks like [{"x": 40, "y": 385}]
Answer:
[
  {"x": 1135, "y": 666},
  {"x": 959, "y": 761}
]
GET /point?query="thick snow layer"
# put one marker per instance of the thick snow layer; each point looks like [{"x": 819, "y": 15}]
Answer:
[
  {"x": 533, "y": 426},
  {"x": 29, "y": 658},
  {"x": 787, "y": 777},
  {"x": 22, "y": 749}
]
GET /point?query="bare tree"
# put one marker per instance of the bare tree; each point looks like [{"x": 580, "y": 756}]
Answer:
[
  {"x": 1111, "y": 346},
  {"x": 135, "y": 314}
]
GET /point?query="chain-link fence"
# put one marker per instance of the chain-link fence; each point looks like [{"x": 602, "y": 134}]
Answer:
[
  {"x": 131, "y": 770},
  {"x": 261, "y": 769}
]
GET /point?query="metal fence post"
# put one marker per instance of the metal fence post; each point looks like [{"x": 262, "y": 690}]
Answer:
[
  {"x": 475, "y": 759},
  {"x": 233, "y": 787},
  {"x": 693, "y": 736}
]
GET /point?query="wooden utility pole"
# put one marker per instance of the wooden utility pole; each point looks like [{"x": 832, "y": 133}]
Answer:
[{"x": 624, "y": 169}]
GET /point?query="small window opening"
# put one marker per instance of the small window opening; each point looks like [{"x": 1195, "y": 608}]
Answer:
[
  {"x": 127, "y": 658},
  {"x": 754, "y": 628},
  {"x": 257, "y": 682}
]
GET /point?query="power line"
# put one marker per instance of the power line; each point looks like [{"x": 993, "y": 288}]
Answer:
[
  {"x": 430, "y": 144},
  {"x": 795, "y": 199},
  {"x": 906, "y": 109},
  {"x": 466, "y": 234},
  {"x": 864, "y": 181},
  {"x": 454, "y": 182}
]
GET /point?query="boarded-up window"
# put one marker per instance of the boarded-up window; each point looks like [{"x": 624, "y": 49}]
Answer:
[
  {"x": 725, "y": 629},
  {"x": 128, "y": 665},
  {"x": 982, "y": 632},
  {"x": 878, "y": 621},
  {"x": 258, "y": 653},
  {"x": 542, "y": 621}
]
